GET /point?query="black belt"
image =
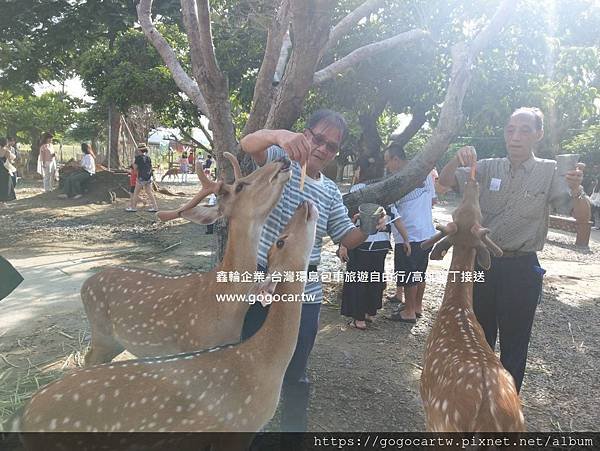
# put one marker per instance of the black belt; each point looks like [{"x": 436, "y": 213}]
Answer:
[{"x": 513, "y": 254}]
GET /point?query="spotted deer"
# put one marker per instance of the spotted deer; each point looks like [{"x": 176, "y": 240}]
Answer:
[
  {"x": 226, "y": 389},
  {"x": 151, "y": 314},
  {"x": 464, "y": 387}
]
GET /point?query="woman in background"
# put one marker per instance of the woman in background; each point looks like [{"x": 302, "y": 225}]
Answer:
[
  {"x": 46, "y": 166},
  {"x": 7, "y": 187},
  {"x": 361, "y": 300},
  {"x": 143, "y": 167},
  {"x": 74, "y": 183},
  {"x": 184, "y": 167}
]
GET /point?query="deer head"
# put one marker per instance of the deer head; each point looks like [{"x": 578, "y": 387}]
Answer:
[
  {"x": 285, "y": 254},
  {"x": 465, "y": 230},
  {"x": 247, "y": 198}
]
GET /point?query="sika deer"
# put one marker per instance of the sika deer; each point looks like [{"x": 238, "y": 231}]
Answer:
[
  {"x": 151, "y": 314},
  {"x": 464, "y": 387},
  {"x": 227, "y": 389}
]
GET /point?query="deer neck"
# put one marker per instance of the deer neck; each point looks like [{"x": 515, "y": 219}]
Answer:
[
  {"x": 276, "y": 339},
  {"x": 460, "y": 293},
  {"x": 242, "y": 247}
]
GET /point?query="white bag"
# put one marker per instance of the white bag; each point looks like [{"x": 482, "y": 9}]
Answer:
[{"x": 9, "y": 167}]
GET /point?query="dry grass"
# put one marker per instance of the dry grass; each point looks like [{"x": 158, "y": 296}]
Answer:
[{"x": 20, "y": 380}]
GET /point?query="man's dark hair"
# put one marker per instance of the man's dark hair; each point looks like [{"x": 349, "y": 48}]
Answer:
[
  {"x": 331, "y": 118},
  {"x": 3, "y": 142},
  {"x": 11, "y": 138},
  {"x": 396, "y": 151}
]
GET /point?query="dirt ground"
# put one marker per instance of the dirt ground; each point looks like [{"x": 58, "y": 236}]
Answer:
[{"x": 363, "y": 381}]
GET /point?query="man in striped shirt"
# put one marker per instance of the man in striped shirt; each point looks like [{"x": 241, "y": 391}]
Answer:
[{"x": 316, "y": 147}]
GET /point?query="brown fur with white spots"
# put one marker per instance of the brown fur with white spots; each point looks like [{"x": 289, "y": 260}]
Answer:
[
  {"x": 151, "y": 314},
  {"x": 464, "y": 387},
  {"x": 228, "y": 389}
]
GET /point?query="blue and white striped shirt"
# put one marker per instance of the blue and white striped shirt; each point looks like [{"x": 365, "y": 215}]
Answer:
[{"x": 333, "y": 215}]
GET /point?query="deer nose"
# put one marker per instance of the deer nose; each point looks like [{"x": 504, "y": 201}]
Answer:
[{"x": 285, "y": 161}]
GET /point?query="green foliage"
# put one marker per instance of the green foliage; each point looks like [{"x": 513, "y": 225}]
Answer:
[
  {"x": 129, "y": 73},
  {"x": 30, "y": 115},
  {"x": 586, "y": 144}
]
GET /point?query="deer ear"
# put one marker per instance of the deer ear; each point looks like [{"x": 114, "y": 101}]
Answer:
[
  {"x": 440, "y": 249},
  {"x": 202, "y": 214},
  {"x": 483, "y": 257}
]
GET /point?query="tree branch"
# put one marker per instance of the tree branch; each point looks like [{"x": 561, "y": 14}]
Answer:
[
  {"x": 195, "y": 141},
  {"x": 365, "y": 52},
  {"x": 206, "y": 134},
  {"x": 263, "y": 89},
  {"x": 346, "y": 24},
  {"x": 206, "y": 39},
  {"x": 451, "y": 119},
  {"x": 192, "y": 28},
  {"x": 416, "y": 122},
  {"x": 182, "y": 79}
]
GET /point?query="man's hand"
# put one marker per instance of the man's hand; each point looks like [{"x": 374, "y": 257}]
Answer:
[
  {"x": 343, "y": 254},
  {"x": 382, "y": 223},
  {"x": 406, "y": 246},
  {"x": 295, "y": 145},
  {"x": 466, "y": 156},
  {"x": 575, "y": 177}
]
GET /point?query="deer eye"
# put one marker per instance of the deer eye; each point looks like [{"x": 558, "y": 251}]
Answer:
[
  {"x": 280, "y": 244},
  {"x": 239, "y": 188}
]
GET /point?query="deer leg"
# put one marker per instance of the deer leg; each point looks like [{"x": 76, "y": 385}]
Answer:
[{"x": 103, "y": 349}]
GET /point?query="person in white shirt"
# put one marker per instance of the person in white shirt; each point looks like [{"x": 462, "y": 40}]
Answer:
[
  {"x": 74, "y": 183},
  {"x": 415, "y": 210}
]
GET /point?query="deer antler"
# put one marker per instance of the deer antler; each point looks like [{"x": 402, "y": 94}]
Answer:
[
  {"x": 482, "y": 234},
  {"x": 237, "y": 171},
  {"x": 208, "y": 187},
  {"x": 493, "y": 247}
]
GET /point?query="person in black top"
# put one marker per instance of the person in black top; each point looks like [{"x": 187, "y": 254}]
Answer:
[
  {"x": 207, "y": 165},
  {"x": 143, "y": 166}
]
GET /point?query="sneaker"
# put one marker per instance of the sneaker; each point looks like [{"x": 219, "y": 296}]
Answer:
[
  {"x": 152, "y": 210},
  {"x": 77, "y": 196},
  {"x": 62, "y": 196},
  {"x": 130, "y": 209}
]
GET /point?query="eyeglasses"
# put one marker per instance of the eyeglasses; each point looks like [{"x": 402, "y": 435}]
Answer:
[{"x": 320, "y": 140}]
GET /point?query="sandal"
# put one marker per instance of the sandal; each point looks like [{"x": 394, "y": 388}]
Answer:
[
  {"x": 352, "y": 323},
  {"x": 394, "y": 300},
  {"x": 398, "y": 317},
  {"x": 403, "y": 306}
]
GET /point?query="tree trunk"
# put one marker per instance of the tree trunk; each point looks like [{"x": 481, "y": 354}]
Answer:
[
  {"x": 370, "y": 141},
  {"x": 35, "y": 150},
  {"x": 115, "y": 130},
  {"x": 311, "y": 23}
]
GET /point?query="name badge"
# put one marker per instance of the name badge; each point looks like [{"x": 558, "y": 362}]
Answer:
[{"x": 495, "y": 184}]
